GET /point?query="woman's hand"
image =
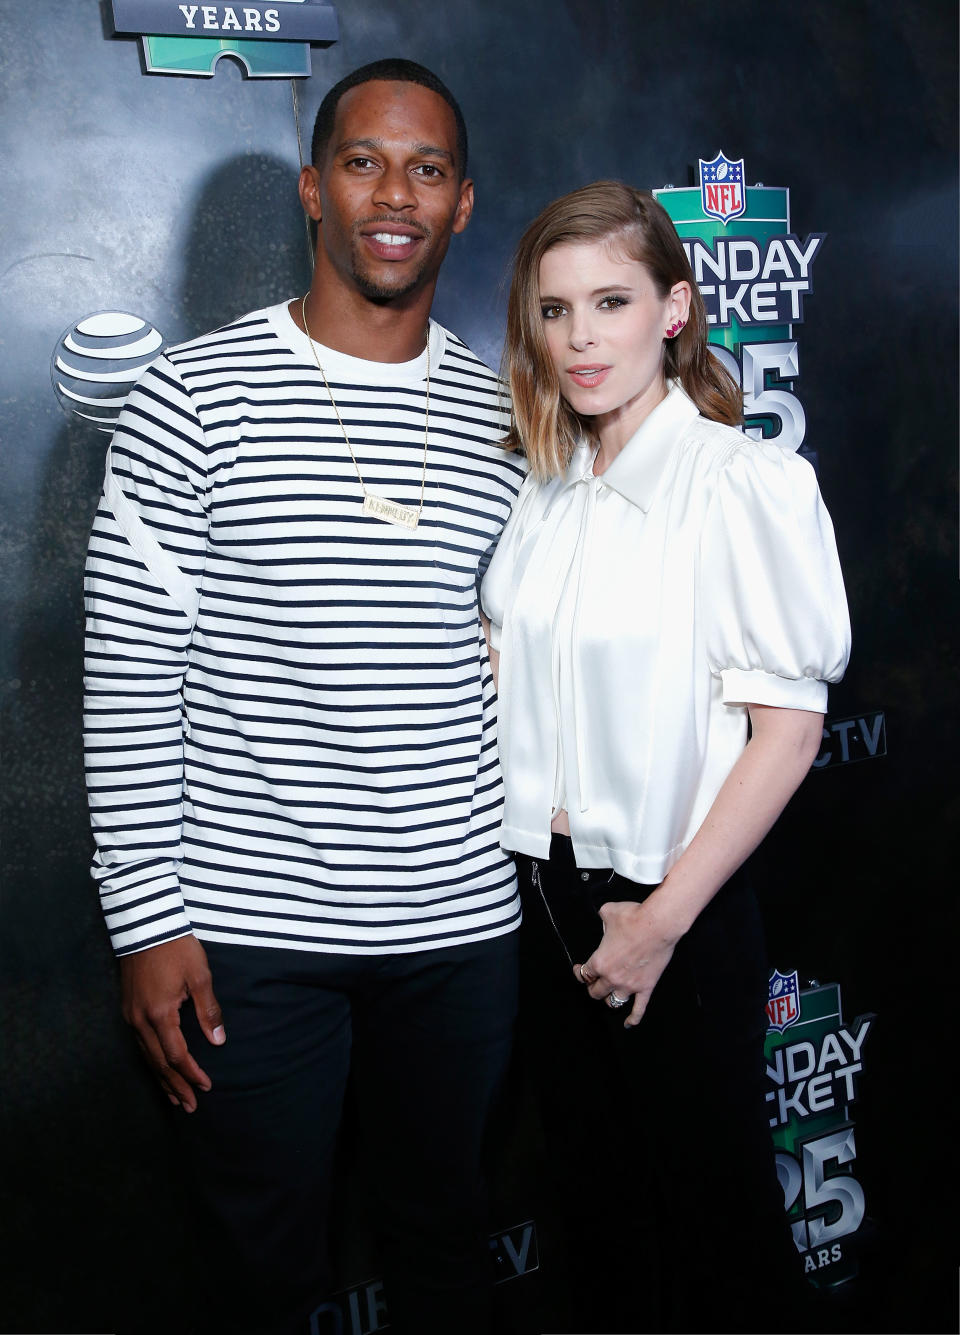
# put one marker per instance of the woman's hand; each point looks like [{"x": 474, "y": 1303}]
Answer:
[
  {"x": 639, "y": 939},
  {"x": 638, "y": 943}
]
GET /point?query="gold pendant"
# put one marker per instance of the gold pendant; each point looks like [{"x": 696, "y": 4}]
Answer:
[{"x": 391, "y": 512}]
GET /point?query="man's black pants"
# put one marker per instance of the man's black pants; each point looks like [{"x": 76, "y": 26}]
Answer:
[{"x": 427, "y": 1036}]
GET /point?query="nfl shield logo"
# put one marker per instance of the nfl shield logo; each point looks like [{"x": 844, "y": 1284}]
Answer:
[
  {"x": 722, "y": 192},
  {"x": 783, "y": 1004}
]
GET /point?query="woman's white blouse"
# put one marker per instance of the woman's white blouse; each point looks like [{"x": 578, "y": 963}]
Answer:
[{"x": 637, "y": 614}]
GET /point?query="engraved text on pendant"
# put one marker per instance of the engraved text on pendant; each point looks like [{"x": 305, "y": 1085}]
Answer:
[{"x": 407, "y": 516}]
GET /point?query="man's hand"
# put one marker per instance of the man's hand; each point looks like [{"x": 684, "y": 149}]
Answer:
[{"x": 154, "y": 985}]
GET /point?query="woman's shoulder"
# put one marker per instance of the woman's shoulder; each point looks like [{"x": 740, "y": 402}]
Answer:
[
  {"x": 714, "y": 442},
  {"x": 720, "y": 450}
]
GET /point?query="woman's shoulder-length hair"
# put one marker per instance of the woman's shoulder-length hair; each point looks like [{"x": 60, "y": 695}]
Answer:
[{"x": 543, "y": 425}]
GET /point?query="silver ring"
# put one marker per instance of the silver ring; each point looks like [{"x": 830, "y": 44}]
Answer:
[
  {"x": 615, "y": 1002},
  {"x": 583, "y": 979}
]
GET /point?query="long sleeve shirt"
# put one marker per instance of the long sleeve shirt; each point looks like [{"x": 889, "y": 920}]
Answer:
[{"x": 290, "y": 721}]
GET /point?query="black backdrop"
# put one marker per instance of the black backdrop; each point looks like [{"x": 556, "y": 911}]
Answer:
[{"x": 174, "y": 198}]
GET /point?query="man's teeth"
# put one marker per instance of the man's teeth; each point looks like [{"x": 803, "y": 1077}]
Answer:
[{"x": 391, "y": 239}]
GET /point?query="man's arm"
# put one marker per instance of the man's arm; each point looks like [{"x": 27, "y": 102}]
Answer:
[{"x": 144, "y": 565}]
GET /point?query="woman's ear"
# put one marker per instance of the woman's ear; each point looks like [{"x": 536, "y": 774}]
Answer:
[{"x": 678, "y": 309}]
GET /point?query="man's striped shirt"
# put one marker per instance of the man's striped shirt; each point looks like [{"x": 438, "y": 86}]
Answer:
[{"x": 290, "y": 718}]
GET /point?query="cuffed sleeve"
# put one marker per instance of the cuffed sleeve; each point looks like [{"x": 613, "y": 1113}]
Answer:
[
  {"x": 772, "y": 597},
  {"x": 144, "y": 565}
]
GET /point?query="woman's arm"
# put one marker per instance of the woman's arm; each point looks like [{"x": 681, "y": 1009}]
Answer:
[{"x": 639, "y": 939}]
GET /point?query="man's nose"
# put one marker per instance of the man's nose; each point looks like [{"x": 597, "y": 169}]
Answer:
[{"x": 395, "y": 190}]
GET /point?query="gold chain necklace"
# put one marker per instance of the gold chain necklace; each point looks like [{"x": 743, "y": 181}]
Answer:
[{"x": 391, "y": 512}]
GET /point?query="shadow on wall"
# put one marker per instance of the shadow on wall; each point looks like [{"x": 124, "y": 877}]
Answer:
[{"x": 246, "y": 243}]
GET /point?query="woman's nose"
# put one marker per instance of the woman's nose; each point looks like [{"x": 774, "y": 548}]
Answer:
[{"x": 581, "y": 333}]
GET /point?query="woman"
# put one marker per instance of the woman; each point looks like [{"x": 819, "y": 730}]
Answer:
[{"x": 665, "y": 588}]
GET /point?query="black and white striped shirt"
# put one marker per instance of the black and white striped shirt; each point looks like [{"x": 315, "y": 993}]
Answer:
[{"x": 290, "y": 722}]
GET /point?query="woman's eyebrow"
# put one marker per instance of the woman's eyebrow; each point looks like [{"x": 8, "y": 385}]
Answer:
[{"x": 597, "y": 292}]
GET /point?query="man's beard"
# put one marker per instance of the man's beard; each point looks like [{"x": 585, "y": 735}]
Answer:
[{"x": 377, "y": 292}]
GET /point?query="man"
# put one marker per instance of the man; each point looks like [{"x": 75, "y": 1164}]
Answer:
[{"x": 292, "y": 750}]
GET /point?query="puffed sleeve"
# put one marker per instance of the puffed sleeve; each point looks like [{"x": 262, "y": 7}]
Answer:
[{"x": 772, "y": 598}]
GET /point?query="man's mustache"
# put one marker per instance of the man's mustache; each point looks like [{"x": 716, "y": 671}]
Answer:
[{"x": 385, "y": 219}]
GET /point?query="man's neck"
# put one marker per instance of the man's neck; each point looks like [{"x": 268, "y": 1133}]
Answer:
[{"x": 389, "y": 331}]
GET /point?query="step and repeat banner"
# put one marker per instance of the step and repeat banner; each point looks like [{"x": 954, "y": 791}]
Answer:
[{"x": 807, "y": 160}]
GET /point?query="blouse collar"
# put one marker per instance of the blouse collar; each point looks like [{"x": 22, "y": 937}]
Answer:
[{"x": 636, "y": 471}]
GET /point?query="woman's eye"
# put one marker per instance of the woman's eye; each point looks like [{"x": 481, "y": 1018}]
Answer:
[
  {"x": 611, "y": 303},
  {"x": 552, "y": 312}
]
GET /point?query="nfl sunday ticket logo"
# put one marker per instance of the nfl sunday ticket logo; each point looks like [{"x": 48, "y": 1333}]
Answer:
[
  {"x": 754, "y": 275},
  {"x": 271, "y": 40},
  {"x": 814, "y": 1061}
]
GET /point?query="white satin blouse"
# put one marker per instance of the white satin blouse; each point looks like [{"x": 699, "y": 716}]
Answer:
[{"x": 637, "y": 614}]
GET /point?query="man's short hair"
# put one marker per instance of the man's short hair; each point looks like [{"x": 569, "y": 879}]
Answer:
[{"x": 392, "y": 70}]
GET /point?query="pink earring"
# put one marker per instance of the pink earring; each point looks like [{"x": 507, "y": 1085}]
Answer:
[{"x": 675, "y": 328}]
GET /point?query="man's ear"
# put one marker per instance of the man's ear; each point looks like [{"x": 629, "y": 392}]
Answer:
[
  {"x": 464, "y": 205},
  {"x": 309, "y": 187}
]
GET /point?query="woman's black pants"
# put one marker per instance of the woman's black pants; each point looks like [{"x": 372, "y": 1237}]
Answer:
[{"x": 657, "y": 1136}]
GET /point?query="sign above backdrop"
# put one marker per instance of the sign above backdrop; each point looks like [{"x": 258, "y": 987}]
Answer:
[{"x": 271, "y": 40}]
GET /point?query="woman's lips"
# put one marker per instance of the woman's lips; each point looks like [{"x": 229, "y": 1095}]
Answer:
[{"x": 588, "y": 376}]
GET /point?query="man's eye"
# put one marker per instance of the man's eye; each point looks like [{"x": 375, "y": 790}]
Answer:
[
  {"x": 360, "y": 163},
  {"x": 428, "y": 169},
  {"x": 552, "y": 312}
]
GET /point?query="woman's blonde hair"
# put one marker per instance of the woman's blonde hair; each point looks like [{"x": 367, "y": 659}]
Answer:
[{"x": 543, "y": 424}]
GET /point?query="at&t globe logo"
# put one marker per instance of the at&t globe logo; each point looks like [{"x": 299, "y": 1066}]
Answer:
[{"x": 98, "y": 360}]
